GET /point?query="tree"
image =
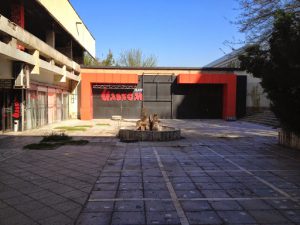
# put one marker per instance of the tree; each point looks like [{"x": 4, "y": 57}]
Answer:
[
  {"x": 278, "y": 65},
  {"x": 88, "y": 60},
  {"x": 109, "y": 60},
  {"x": 136, "y": 58},
  {"x": 257, "y": 16}
]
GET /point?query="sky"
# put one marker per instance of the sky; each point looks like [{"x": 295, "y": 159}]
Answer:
[{"x": 186, "y": 33}]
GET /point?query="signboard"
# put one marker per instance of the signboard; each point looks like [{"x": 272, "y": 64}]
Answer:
[
  {"x": 121, "y": 95},
  {"x": 6, "y": 84}
]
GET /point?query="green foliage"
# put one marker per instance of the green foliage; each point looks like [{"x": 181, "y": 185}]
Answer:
[
  {"x": 279, "y": 67},
  {"x": 108, "y": 61},
  {"x": 136, "y": 58}
]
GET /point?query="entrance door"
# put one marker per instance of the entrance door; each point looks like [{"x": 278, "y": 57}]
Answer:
[
  {"x": 198, "y": 101},
  {"x": 6, "y": 110},
  {"x": 158, "y": 95}
]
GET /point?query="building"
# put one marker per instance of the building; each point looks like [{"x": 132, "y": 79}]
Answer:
[
  {"x": 185, "y": 93},
  {"x": 42, "y": 44},
  {"x": 256, "y": 98}
]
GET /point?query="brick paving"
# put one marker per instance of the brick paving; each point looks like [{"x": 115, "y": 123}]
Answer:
[{"x": 220, "y": 173}]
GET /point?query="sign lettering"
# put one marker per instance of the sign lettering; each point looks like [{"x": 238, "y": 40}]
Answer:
[{"x": 107, "y": 96}]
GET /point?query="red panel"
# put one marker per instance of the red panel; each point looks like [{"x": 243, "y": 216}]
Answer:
[
  {"x": 86, "y": 103},
  {"x": 18, "y": 16}
]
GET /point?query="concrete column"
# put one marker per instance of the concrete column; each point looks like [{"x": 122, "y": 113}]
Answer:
[{"x": 50, "y": 38}]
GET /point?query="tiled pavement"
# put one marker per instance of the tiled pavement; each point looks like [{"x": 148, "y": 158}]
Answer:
[{"x": 220, "y": 173}]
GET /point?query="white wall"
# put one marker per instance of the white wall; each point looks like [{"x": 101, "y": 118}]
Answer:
[
  {"x": 65, "y": 14},
  {"x": 256, "y": 98}
]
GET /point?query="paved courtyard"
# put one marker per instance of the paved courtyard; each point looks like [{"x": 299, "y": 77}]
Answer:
[{"x": 219, "y": 173}]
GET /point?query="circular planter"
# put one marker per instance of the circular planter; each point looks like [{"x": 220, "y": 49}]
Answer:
[{"x": 167, "y": 134}]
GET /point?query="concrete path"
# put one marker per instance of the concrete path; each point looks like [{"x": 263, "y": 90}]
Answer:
[{"x": 220, "y": 173}]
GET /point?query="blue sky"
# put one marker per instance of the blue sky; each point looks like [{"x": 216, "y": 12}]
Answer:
[{"x": 178, "y": 32}]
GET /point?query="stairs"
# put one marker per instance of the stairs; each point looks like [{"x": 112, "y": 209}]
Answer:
[{"x": 265, "y": 117}]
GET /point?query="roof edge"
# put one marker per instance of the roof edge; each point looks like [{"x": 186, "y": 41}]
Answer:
[{"x": 162, "y": 68}]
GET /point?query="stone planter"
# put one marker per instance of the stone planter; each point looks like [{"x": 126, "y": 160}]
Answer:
[
  {"x": 167, "y": 134},
  {"x": 289, "y": 139}
]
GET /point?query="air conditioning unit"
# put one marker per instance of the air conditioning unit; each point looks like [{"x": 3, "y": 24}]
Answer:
[{"x": 21, "y": 73}]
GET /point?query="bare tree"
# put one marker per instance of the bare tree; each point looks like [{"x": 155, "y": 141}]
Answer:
[
  {"x": 257, "y": 16},
  {"x": 136, "y": 58}
]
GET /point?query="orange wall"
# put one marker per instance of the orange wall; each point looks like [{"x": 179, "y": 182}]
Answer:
[
  {"x": 228, "y": 81},
  {"x": 229, "y": 88},
  {"x": 87, "y": 79}
]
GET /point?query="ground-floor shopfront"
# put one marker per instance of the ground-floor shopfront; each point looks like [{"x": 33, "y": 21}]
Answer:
[
  {"x": 183, "y": 93},
  {"x": 24, "y": 109}
]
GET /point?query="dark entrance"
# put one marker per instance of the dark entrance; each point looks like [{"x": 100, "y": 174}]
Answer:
[
  {"x": 6, "y": 104},
  {"x": 197, "y": 101},
  {"x": 6, "y": 110}
]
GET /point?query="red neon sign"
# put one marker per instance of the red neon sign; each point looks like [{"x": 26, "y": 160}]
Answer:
[{"x": 107, "y": 96}]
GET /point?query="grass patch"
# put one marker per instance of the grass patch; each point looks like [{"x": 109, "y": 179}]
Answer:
[
  {"x": 84, "y": 126},
  {"x": 75, "y": 128},
  {"x": 102, "y": 124},
  {"x": 54, "y": 141}
]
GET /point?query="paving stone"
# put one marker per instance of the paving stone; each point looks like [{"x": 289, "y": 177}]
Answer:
[
  {"x": 268, "y": 216},
  {"x": 184, "y": 186},
  {"x": 155, "y": 186},
  {"x": 94, "y": 219},
  {"x": 108, "y": 180},
  {"x": 8, "y": 212},
  {"x": 159, "y": 206},
  {"x": 208, "y": 186},
  {"x": 255, "y": 204},
  {"x": 52, "y": 200},
  {"x": 70, "y": 174},
  {"x": 215, "y": 193},
  {"x": 65, "y": 206},
  {"x": 29, "y": 206},
  {"x": 106, "y": 187},
  {"x": 42, "y": 213},
  {"x": 17, "y": 219},
  {"x": 59, "y": 219},
  {"x": 236, "y": 217},
  {"x": 103, "y": 194},
  {"x": 203, "y": 217},
  {"x": 130, "y": 194},
  {"x": 73, "y": 213},
  {"x": 292, "y": 215},
  {"x": 189, "y": 194},
  {"x": 195, "y": 206},
  {"x": 128, "y": 218},
  {"x": 40, "y": 194},
  {"x": 165, "y": 217},
  {"x": 157, "y": 194},
  {"x": 21, "y": 199},
  {"x": 130, "y": 186},
  {"x": 225, "y": 205},
  {"x": 99, "y": 207},
  {"x": 283, "y": 204},
  {"x": 129, "y": 206}
]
